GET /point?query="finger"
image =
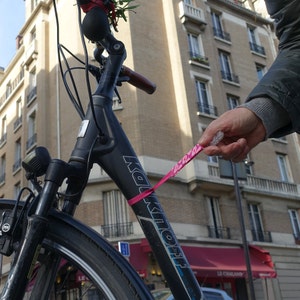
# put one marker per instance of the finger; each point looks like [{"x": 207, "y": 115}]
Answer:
[{"x": 233, "y": 150}]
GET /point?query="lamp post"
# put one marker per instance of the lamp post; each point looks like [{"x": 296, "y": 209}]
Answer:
[
  {"x": 243, "y": 229},
  {"x": 228, "y": 169}
]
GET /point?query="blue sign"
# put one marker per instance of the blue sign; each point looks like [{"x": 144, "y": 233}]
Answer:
[{"x": 124, "y": 248}]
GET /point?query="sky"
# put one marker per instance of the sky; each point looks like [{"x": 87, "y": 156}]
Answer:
[{"x": 11, "y": 21}]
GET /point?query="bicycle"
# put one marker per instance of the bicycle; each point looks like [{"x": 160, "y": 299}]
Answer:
[{"x": 48, "y": 243}]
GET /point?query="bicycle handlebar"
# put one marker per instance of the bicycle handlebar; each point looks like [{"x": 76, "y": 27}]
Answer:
[{"x": 138, "y": 80}]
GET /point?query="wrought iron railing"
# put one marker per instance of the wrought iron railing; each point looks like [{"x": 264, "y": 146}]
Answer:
[
  {"x": 31, "y": 141},
  {"x": 196, "y": 57},
  {"x": 221, "y": 34},
  {"x": 257, "y": 48},
  {"x": 261, "y": 236},
  {"x": 230, "y": 77},
  {"x": 207, "y": 109},
  {"x": 117, "y": 230},
  {"x": 218, "y": 232}
]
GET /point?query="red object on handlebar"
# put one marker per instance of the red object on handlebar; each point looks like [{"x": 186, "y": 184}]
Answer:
[{"x": 138, "y": 80}]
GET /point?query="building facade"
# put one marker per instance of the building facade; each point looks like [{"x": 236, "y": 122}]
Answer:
[{"x": 205, "y": 57}]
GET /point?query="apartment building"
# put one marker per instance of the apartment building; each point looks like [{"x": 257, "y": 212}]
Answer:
[{"x": 205, "y": 57}]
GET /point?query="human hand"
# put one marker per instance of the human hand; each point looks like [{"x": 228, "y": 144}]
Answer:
[{"x": 242, "y": 130}]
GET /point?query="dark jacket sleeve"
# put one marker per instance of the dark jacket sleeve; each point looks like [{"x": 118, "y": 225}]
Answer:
[{"x": 282, "y": 81}]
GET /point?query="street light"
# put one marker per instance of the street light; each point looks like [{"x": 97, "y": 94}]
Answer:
[{"x": 229, "y": 169}]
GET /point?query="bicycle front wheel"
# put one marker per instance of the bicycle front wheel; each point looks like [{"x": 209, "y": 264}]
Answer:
[{"x": 77, "y": 263}]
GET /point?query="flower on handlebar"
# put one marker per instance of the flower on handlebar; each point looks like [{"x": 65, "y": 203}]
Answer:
[{"x": 120, "y": 7}]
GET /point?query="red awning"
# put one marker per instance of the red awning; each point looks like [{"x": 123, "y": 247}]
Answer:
[
  {"x": 139, "y": 258},
  {"x": 229, "y": 262}
]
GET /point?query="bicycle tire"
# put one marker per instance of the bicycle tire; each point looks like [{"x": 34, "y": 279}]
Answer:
[{"x": 84, "y": 250}]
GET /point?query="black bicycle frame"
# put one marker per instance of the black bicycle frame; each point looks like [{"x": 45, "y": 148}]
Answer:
[{"x": 110, "y": 149}]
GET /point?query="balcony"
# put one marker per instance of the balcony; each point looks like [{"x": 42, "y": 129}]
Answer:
[
  {"x": 117, "y": 230},
  {"x": 31, "y": 53},
  {"x": 257, "y": 49},
  {"x": 230, "y": 77},
  {"x": 31, "y": 95},
  {"x": 261, "y": 236},
  {"x": 218, "y": 232},
  {"x": 190, "y": 14},
  {"x": 3, "y": 139},
  {"x": 31, "y": 141},
  {"x": 261, "y": 184},
  {"x": 207, "y": 109},
  {"x": 220, "y": 34},
  {"x": 199, "y": 59},
  {"x": 18, "y": 123},
  {"x": 2, "y": 178},
  {"x": 17, "y": 165}
]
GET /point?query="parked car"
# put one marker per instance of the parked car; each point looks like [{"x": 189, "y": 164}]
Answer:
[{"x": 209, "y": 294}]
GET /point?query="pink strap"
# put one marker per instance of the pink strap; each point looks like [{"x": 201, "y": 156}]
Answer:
[{"x": 185, "y": 160}]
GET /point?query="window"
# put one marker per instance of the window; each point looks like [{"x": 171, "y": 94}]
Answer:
[
  {"x": 32, "y": 87},
  {"x": 18, "y": 120},
  {"x": 253, "y": 41},
  {"x": 116, "y": 216},
  {"x": 195, "y": 49},
  {"x": 212, "y": 159},
  {"x": 8, "y": 90},
  {"x": 214, "y": 212},
  {"x": 194, "y": 44},
  {"x": 33, "y": 31},
  {"x": 294, "y": 217},
  {"x": 17, "y": 189},
  {"x": 260, "y": 70},
  {"x": 283, "y": 166},
  {"x": 255, "y": 223},
  {"x": 18, "y": 155},
  {"x": 203, "y": 98},
  {"x": 215, "y": 221},
  {"x": 31, "y": 130},
  {"x": 3, "y": 129},
  {"x": 248, "y": 165},
  {"x": 226, "y": 70},
  {"x": 232, "y": 101},
  {"x": 2, "y": 168},
  {"x": 218, "y": 28}
]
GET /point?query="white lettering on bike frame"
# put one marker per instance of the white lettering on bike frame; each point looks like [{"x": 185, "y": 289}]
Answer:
[
  {"x": 156, "y": 212},
  {"x": 83, "y": 128}
]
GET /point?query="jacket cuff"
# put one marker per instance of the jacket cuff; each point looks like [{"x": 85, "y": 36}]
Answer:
[{"x": 274, "y": 117}]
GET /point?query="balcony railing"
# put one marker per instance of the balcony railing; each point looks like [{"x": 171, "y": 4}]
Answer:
[
  {"x": 261, "y": 184},
  {"x": 17, "y": 165},
  {"x": 117, "y": 230},
  {"x": 198, "y": 58},
  {"x": 218, "y": 232},
  {"x": 18, "y": 123},
  {"x": 31, "y": 53},
  {"x": 189, "y": 12},
  {"x": 221, "y": 34},
  {"x": 230, "y": 77},
  {"x": 31, "y": 94},
  {"x": 207, "y": 109},
  {"x": 2, "y": 178},
  {"x": 31, "y": 141},
  {"x": 3, "y": 139},
  {"x": 272, "y": 185},
  {"x": 261, "y": 236},
  {"x": 257, "y": 49}
]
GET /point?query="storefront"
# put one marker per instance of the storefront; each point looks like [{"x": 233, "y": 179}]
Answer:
[{"x": 220, "y": 267}]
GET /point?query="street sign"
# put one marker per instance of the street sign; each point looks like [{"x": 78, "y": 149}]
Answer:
[{"x": 124, "y": 248}]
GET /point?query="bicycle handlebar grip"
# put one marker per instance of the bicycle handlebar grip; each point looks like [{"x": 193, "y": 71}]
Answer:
[{"x": 138, "y": 80}]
